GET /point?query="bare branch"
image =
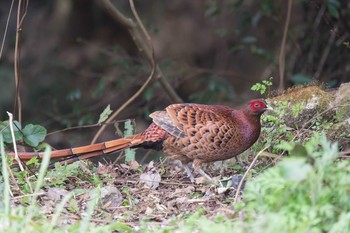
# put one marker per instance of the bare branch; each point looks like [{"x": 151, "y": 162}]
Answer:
[
  {"x": 20, "y": 18},
  {"x": 325, "y": 53},
  {"x": 143, "y": 48},
  {"x": 6, "y": 28},
  {"x": 281, "y": 59},
  {"x": 149, "y": 79}
]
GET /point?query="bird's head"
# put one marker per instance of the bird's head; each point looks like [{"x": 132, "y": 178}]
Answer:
[{"x": 257, "y": 107}]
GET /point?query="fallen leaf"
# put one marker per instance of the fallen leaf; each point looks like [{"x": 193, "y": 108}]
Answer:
[
  {"x": 134, "y": 165},
  {"x": 181, "y": 199},
  {"x": 111, "y": 197},
  {"x": 150, "y": 165},
  {"x": 161, "y": 207},
  {"x": 200, "y": 180},
  {"x": 56, "y": 194},
  {"x": 150, "y": 179},
  {"x": 222, "y": 190},
  {"x": 125, "y": 166},
  {"x": 148, "y": 211}
]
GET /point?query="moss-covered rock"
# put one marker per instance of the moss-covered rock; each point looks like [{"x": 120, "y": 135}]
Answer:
[
  {"x": 299, "y": 105},
  {"x": 342, "y": 102}
]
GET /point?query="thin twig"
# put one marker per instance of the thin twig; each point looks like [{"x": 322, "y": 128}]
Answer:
[
  {"x": 83, "y": 127},
  {"x": 326, "y": 53},
  {"x": 6, "y": 28},
  {"x": 143, "y": 87},
  {"x": 142, "y": 47},
  {"x": 29, "y": 195},
  {"x": 281, "y": 59},
  {"x": 14, "y": 141},
  {"x": 246, "y": 173},
  {"x": 13, "y": 180},
  {"x": 20, "y": 18}
]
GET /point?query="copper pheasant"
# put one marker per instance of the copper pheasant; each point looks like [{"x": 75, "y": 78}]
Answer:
[{"x": 186, "y": 132}]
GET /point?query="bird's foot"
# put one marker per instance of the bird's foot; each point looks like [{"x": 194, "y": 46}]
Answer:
[
  {"x": 189, "y": 173},
  {"x": 204, "y": 174},
  {"x": 205, "y": 178}
]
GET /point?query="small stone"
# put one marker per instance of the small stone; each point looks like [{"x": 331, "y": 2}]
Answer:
[
  {"x": 236, "y": 180},
  {"x": 56, "y": 194}
]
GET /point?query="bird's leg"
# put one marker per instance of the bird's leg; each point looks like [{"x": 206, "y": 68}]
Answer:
[
  {"x": 188, "y": 171},
  {"x": 185, "y": 166},
  {"x": 204, "y": 174},
  {"x": 197, "y": 167}
]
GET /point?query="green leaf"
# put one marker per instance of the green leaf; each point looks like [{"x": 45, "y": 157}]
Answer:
[
  {"x": 99, "y": 89},
  {"x": 301, "y": 78},
  {"x": 256, "y": 86},
  {"x": 7, "y": 132},
  {"x": 105, "y": 114},
  {"x": 148, "y": 94},
  {"x": 333, "y": 9},
  {"x": 299, "y": 150},
  {"x": 129, "y": 130},
  {"x": 74, "y": 95},
  {"x": 249, "y": 39},
  {"x": 295, "y": 169},
  {"x": 34, "y": 134},
  {"x": 284, "y": 145},
  {"x": 33, "y": 160}
]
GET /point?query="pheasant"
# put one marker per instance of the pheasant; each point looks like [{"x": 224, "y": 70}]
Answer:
[{"x": 186, "y": 132}]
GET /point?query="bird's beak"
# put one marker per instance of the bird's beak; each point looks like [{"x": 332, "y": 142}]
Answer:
[{"x": 268, "y": 107}]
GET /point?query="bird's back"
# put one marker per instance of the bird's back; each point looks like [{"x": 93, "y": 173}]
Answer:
[{"x": 205, "y": 132}]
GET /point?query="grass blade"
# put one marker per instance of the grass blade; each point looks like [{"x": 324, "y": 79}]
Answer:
[{"x": 6, "y": 197}]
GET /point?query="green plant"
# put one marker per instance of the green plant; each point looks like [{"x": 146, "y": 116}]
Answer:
[
  {"x": 195, "y": 223},
  {"x": 128, "y": 200},
  {"x": 31, "y": 134},
  {"x": 263, "y": 86},
  {"x": 304, "y": 193},
  {"x": 129, "y": 130},
  {"x": 61, "y": 174}
]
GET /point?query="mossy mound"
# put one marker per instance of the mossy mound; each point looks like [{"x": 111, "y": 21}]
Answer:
[
  {"x": 301, "y": 111},
  {"x": 342, "y": 102},
  {"x": 299, "y": 105}
]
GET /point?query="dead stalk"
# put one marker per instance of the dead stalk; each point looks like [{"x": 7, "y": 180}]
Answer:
[
  {"x": 246, "y": 173},
  {"x": 281, "y": 59}
]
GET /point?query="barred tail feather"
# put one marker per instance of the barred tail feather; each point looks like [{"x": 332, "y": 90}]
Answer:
[{"x": 85, "y": 152}]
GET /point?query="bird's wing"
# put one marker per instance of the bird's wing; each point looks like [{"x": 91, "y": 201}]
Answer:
[
  {"x": 179, "y": 118},
  {"x": 163, "y": 120}
]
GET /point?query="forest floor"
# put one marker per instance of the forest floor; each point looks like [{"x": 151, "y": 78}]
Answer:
[
  {"x": 158, "y": 196},
  {"x": 156, "y": 193}
]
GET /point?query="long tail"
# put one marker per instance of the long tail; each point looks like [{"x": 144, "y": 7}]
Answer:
[{"x": 85, "y": 152}]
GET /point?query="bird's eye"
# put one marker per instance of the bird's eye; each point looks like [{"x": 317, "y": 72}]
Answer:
[{"x": 257, "y": 106}]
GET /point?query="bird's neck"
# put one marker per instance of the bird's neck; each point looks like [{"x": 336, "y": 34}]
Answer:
[{"x": 250, "y": 125}]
